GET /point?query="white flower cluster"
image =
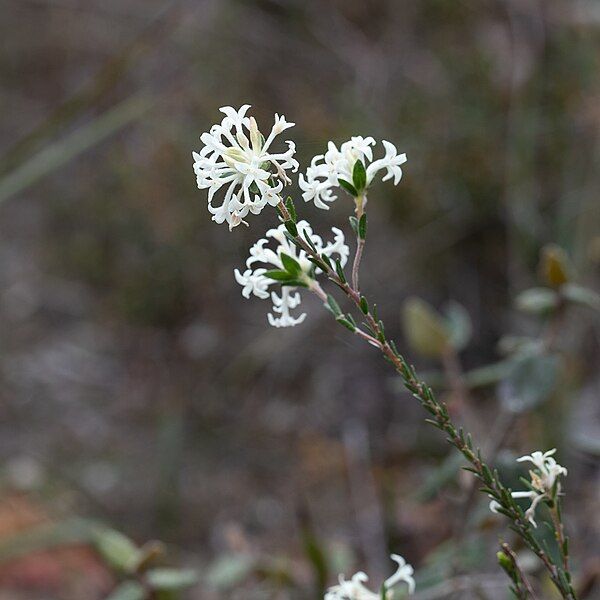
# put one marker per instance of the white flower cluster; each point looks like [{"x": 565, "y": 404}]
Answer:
[
  {"x": 543, "y": 479},
  {"x": 355, "y": 589},
  {"x": 326, "y": 170},
  {"x": 237, "y": 157},
  {"x": 254, "y": 280}
]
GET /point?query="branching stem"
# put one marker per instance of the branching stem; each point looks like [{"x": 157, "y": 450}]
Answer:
[{"x": 440, "y": 418}]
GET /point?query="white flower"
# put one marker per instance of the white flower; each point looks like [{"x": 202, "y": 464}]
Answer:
[
  {"x": 327, "y": 169},
  {"x": 543, "y": 479},
  {"x": 237, "y": 157},
  {"x": 355, "y": 589},
  {"x": 254, "y": 281}
]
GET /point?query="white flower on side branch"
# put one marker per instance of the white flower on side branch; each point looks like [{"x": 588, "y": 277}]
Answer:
[
  {"x": 355, "y": 589},
  {"x": 544, "y": 481},
  {"x": 335, "y": 168},
  {"x": 238, "y": 158},
  {"x": 284, "y": 261}
]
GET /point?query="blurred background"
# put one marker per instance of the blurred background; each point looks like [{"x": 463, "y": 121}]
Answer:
[{"x": 141, "y": 394}]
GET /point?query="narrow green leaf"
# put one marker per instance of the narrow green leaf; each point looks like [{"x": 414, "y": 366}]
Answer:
[
  {"x": 295, "y": 283},
  {"x": 354, "y": 224},
  {"x": 292, "y": 239},
  {"x": 333, "y": 305},
  {"x": 291, "y": 227},
  {"x": 359, "y": 176},
  {"x": 339, "y": 270},
  {"x": 348, "y": 187},
  {"x": 364, "y": 305},
  {"x": 278, "y": 275},
  {"x": 343, "y": 321},
  {"x": 291, "y": 265},
  {"x": 362, "y": 226},
  {"x": 326, "y": 260},
  {"x": 289, "y": 204},
  {"x": 308, "y": 240}
]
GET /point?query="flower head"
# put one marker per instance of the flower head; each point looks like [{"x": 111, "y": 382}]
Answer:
[
  {"x": 257, "y": 281},
  {"x": 355, "y": 589},
  {"x": 327, "y": 170},
  {"x": 544, "y": 481},
  {"x": 237, "y": 158}
]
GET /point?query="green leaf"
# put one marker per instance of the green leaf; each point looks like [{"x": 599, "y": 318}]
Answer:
[
  {"x": 295, "y": 283},
  {"x": 343, "y": 321},
  {"x": 581, "y": 295},
  {"x": 308, "y": 240},
  {"x": 317, "y": 559},
  {"x": 354, "y": 224},
  {"x": 359, "y": 176},
  {"x": 171, "y": 579},
  {"x": 129, "y": 590},
  {"x": 487, "y": 375},
  {"x": 362, "y": 226},
  {"x": 459, "y": 324},
  {"x": 116, "y": 549},
  {"x": 292, "y": 239},
  {"x": 230, "y": 570},
  {"x": 348, "y": 187},
  {"x": 291, "y": 227},
  {"x": 291, "y": 265},
  {"x": 424, "y": 328},
  {"x": 289, "y": 204},
  {"x": 537, "y": 300},
  {"x": 364, "y": 305},
  {"x": 279, "y": 275},
  {"x": 339, "y": 270},
  {"x": 333, "y": 305},
  {"x": 531, "y": 381}
]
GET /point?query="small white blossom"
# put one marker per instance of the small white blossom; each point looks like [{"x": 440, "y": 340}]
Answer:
[
  {"x": 237, "y": 157},
  {"x": 543, "y": 479},
  {"x": 326, "y": 170},
  {"x": 254, "y": 281},
  {"x": 355, "y": 589}
]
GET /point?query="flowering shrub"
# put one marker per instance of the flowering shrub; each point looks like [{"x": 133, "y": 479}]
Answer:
[{"x": 236, "y": 155}]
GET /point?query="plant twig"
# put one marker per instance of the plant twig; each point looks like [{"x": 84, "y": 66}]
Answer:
[{"x": 440, "y": 418}]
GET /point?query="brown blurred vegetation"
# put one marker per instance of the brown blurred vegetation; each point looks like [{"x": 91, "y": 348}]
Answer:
[{"x": 140, "y": 389}]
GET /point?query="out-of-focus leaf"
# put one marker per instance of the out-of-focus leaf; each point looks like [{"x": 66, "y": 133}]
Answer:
[
  {"x": 459, "y": 324},
  {"x": 116, "y": 549},
  {"x": 61, "y": 152},
  {"x": 230, "y": 570},
  {"x": 171, "y": 579},
  {"x": 581, "y": 295},
  {"x": 530, "y": 382},
  {"x": 554, "y": 266},
  {"x": 129, "y": 590},
  {"x": 537, "y": 300},
  {"x": 149, "y": 553},
  {"x": 488, "y": 375},
  {"x": 512, "y": 344},
  {"x": 424, "y": 328},
  {"x": 314, "y": 552}
]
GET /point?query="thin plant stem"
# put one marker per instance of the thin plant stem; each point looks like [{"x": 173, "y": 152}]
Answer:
[
  {"x": 360, "y": 242},
  {"x": 523, "y": 588}
]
